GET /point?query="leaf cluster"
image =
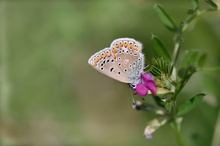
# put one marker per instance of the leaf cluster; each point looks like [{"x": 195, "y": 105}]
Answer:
[{"x": 172, "y": 72}]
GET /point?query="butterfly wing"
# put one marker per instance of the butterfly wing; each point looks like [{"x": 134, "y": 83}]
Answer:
[
  {"x": 123, "y": 61},
  {"x": 104, "y": 62},
  {"x": 129, "y": 58}
]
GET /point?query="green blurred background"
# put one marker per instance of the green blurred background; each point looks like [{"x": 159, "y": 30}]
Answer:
[{"x": 51, "y": 96}]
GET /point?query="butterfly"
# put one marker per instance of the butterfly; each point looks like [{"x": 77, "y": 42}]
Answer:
[{"x": 122, "y": 61}]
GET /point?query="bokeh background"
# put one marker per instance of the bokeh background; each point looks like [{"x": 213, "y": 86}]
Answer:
[{"x": 50, "y": 96}]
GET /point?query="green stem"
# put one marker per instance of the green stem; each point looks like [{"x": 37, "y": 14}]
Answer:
[{"x": 178, "y": 135}]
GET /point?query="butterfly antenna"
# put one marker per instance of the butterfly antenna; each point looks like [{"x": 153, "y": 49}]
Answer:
[{"x": 132, "y": 96}]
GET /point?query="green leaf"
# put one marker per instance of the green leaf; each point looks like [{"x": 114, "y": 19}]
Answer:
[
  {"x": 189, "y": 58},
  {"x": 201, "y": 60},
  {"x": 165, "y": 18},
  {"x": 160, "y": 48},
  {"x": 159, "y": 67},
  {"x": 195, "y": 3},
  {"x": 211, "y": 3},
  {"x": 190, "y": 104},
  {"x": 159, "y": 101},
  {"x": 185, "y": 74},
  {"x": 169, "y": 106},
  {"x": 191, "y": 11}
]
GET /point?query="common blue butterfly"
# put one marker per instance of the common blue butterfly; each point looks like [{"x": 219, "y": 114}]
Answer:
[{"x": 122, "y": 61}]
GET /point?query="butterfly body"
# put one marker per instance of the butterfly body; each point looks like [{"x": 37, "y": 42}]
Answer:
[{"x": 122, "y": 61}]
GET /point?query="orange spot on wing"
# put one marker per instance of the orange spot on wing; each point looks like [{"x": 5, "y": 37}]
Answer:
[
  {"x": 125, "y": 45},
  {"x": 108, "y": 54},
  {"x": 97, "y": 60},
  {"x": 137, "y": 49},
  {"x": 104, "y": 55},
  {"x": 114, "y": 56},
  {"x": 116, "y": 46},
  {"x": 121, "y": 44},
  {"x": 131, "y": 46},
  {"x": 114, "y": 50},
  {"x": 99, "y": 57}
]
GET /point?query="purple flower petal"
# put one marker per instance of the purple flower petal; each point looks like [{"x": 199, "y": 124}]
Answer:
[
  {"x": 149, "y": 136},
  {"x": 149, "y": 82},
  {"x": 141, "y": 89},
  {"x": 147, "y": 77},
  {"x": 151, "y": 86}
]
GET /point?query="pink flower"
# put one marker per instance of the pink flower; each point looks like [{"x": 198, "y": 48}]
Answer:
[{"x": 148, "y": 84}]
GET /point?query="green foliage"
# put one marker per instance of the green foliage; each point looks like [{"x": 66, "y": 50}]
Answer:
[
  {"x": 190, "y": 104},
  {"x": 174, "y": 73},
  {"x": 195, "y": 3},
  {"x": 165, "y": 18},
  {"x": 160, "y": 68},
  {"x": 160, "y": 48},
  {"x": 212, "y": 4}
]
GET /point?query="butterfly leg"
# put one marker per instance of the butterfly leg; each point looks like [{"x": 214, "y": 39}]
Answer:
[{"x": 134, "y": 102}]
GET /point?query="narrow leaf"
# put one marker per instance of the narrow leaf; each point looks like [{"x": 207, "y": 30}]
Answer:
[
  {"x": 190, "y": 104},
  {"x": 191, "y": 11},
  {"x": 185, "y": 75},
  {"x": 169, "y": 106},
  {"x": 195, "y": 3},
  {"x": 211, "y": 3},
  {"x": 158, "y": 101},
  {"x": 160, "y": 48},
  {"x": 201, "y": 60},
  {"x": 189, "y": 58},
  {"x": 165, "y": 18}
]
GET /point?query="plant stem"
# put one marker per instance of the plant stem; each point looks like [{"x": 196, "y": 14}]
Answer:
[{"x": 176, "y": 129}]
